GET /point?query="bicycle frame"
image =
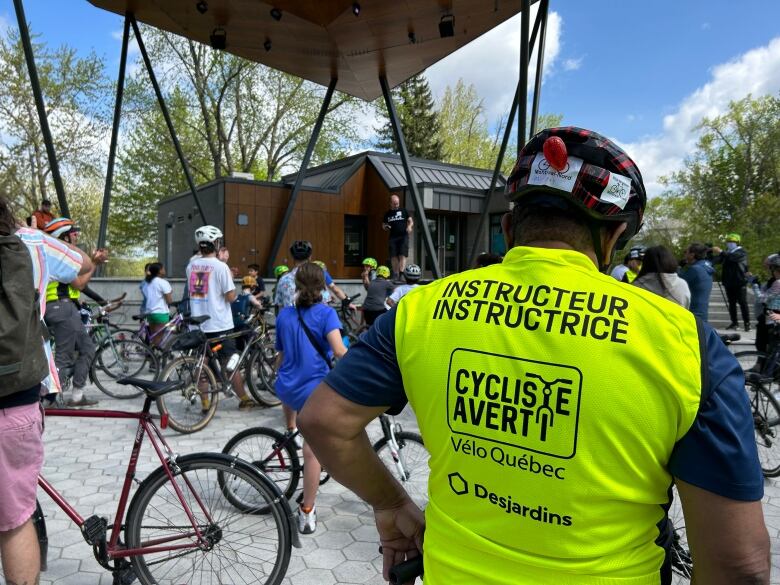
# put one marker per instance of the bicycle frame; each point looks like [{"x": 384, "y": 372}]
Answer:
[
  {"x": 207, "y": 353},
  {"x": 146, "y": 426},
  {"x": 145, "y": 334}
]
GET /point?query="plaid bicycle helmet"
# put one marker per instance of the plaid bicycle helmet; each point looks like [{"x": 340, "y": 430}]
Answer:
[{"x": 578, "y": 169}]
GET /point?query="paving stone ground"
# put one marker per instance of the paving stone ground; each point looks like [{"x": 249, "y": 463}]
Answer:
[{"x": 86, "y": 461}]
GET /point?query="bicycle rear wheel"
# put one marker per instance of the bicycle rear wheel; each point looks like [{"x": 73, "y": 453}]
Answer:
[
  {"x": 241, "y": 546},
  {"x": 410, "y": 466},
  {"x": 682, "y": 562},
  {"x": 272, "y": 453},
  {"x": 127, "y": 358},
  {"x": 261, "y": 375},
  {"x": 766, "y": 425},
  {"x": 192, "y": 407}
]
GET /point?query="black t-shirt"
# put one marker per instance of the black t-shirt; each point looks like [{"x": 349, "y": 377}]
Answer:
[{"x": 396, "y": 219}]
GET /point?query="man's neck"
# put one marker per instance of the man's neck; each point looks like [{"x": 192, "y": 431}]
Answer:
[{"x": 558, "y": 245}]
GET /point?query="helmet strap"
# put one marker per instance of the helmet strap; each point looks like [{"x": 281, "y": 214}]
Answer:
[{"x": 595, "y": 236}]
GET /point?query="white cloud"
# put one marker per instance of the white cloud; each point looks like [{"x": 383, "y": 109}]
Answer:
[
  {"x": 572, "y": 64},
  {"x": 756, "y": 72},
  {"x": 492, "y": 63}
]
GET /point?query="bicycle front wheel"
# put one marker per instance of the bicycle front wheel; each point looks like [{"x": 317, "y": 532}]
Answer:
[
  {"x": 409, "y": 465},
  {"x": 235, "y": 547},
  {"x": 272, "y": 453},
  {"x": 192, "y": 407},
  {"x": 682, "y": 562},
  {"x": 127, "y": 358},
  {"x": 766, "y": 425},
  {"x": 261, "y": 375}
]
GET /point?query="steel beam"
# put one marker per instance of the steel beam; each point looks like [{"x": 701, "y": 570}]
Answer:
[
  {"x": 120, "y": 89},
  {"x": 520, "y": 92},
  {"x": 525, "y": 54},
  {"x": 539, "y": 66},
  {"x": 40, "y": 106},
  {"x": 161, "y": 100},
  {"x": 300, "y": 176},
  {"x": 412, "y": 184}
]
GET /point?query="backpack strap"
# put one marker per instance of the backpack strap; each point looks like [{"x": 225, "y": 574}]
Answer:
[{"x": 313, "y": 340}]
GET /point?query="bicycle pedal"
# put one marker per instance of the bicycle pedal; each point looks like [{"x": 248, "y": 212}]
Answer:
[
  {"x": 124, "y": 576},
  {"x": 94, "y": 530}
]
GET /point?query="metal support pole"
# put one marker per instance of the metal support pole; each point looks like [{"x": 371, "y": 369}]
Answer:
[
  {"x": 24, "y": 34},
  {"x": 539, "y": 66},
  {"x": 412, "y": 184},
  {"x": 161, "y": 100},
  {"x": 120, "y": 90},
  {"x": 519, "y": 92},
  {"x": 300, "y": 176},
  {"x": 525, "y": 54}
]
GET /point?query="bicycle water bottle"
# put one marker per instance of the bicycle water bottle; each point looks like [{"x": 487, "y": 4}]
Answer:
[{"x": 232, "y": 363}]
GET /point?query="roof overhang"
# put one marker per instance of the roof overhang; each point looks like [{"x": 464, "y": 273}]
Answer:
[{"x": 321, "y": 39}]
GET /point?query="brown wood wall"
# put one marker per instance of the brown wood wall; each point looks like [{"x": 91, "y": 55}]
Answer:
[{"x": 318, "y": 217}]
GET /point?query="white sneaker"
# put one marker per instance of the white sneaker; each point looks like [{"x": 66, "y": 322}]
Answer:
[
  {"x": 307, "y": 523},
  {"x": 298, "y": 439}
]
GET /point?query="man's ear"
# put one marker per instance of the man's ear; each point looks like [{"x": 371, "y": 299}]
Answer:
[
  {"x": 610, "y": 238},
  {"x": 506, "y": 228}
]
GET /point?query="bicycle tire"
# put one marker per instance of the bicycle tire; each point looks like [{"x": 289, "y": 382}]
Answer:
[
  {"x": 259, "y": 376},
  {"x": 128, "y": 358},
  {"x": 681, "y": 560},
  {"x": 766, "y": 428},
  {"x": 270, "y": 452},
  {"x": 414, "y": 458},
  {"x": 184, "y": 407},
  {"x": 243, "y": 547}
]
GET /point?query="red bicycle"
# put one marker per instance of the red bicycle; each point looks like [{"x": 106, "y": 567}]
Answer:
[{"x": 197, "y": 519}]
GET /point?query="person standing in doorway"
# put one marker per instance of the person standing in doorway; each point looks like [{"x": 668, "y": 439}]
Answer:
[{"x": 399, "y": 223}]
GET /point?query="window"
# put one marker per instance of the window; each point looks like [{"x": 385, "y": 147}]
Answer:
[
  {"x": 242, "y": 219},
  {"x": 355, "y": 230},
  {"x": 497, "y": 244}
]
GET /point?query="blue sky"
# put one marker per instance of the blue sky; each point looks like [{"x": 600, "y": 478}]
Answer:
[{"x": 640, "y": 72}]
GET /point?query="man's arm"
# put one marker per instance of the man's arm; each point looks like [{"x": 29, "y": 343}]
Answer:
[
  {"x": 335, "y": 427},
  {"x": 727, "y": 538},
  {"x": 409, "y": 224}
]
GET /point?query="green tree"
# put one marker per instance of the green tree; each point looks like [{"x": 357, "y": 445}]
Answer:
[
  {"x": 76, "y": 94},
  {"x": 419, "y": 120},
  {"x": 466, "y": 134},
  {"x": 731, "y": 183}
]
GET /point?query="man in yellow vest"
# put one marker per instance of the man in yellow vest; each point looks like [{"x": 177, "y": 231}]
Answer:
[
  {"x": 558, "y": 405},
  {"x": 73, "y": 347}
]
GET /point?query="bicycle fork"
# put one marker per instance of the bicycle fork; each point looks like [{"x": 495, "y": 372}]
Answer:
[{"x": 389, "y": 428}]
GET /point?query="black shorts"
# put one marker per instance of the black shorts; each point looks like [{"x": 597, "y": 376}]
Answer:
[
  {"x": 399, "y": 246},
  {"x": 228, "y": 345}
]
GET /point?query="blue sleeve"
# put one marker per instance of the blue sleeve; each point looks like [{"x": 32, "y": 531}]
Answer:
[
  {"x": 281, "y": 323},
  {"x": 718, "y": 453},
  {"x": 331, "y": 321},
  {"x": 328, "y": 278},
  {"x": 369, "y": 374}
]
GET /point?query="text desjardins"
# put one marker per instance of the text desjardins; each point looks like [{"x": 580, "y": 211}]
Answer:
[{"x": 535, "y": 307}]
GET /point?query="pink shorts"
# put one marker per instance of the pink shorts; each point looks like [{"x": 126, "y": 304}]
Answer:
[{"x": 21, "y": 459}]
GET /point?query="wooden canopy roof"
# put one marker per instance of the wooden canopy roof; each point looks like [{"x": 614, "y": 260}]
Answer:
[{"x": 319, "y": 39}]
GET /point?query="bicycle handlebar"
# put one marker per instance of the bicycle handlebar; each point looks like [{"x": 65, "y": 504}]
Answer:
[{"x": 406, "y": 571}]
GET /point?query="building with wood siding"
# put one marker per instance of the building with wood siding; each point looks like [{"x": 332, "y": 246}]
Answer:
[{"x": 340, "y": 211}]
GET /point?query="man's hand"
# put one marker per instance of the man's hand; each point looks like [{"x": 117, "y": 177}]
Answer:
[
  {"x": 386, "y": 226},
  {"x": 401, "y": 530},
  {"x": 100, "y": 256},
  {"x": 716, "y": 250}
]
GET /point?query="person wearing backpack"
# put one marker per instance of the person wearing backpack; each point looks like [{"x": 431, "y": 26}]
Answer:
[
  {"x": 307, "y": 336},
  {"x": 29, "y": 260}
]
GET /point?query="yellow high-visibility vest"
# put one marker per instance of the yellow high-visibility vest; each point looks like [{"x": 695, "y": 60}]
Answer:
[{"x": 550, "y": 397}]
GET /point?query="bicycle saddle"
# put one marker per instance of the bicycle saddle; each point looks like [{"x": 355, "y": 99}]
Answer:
[
  {"x": 198, "y": 320},
  {"x": 153, "y": 388}
]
